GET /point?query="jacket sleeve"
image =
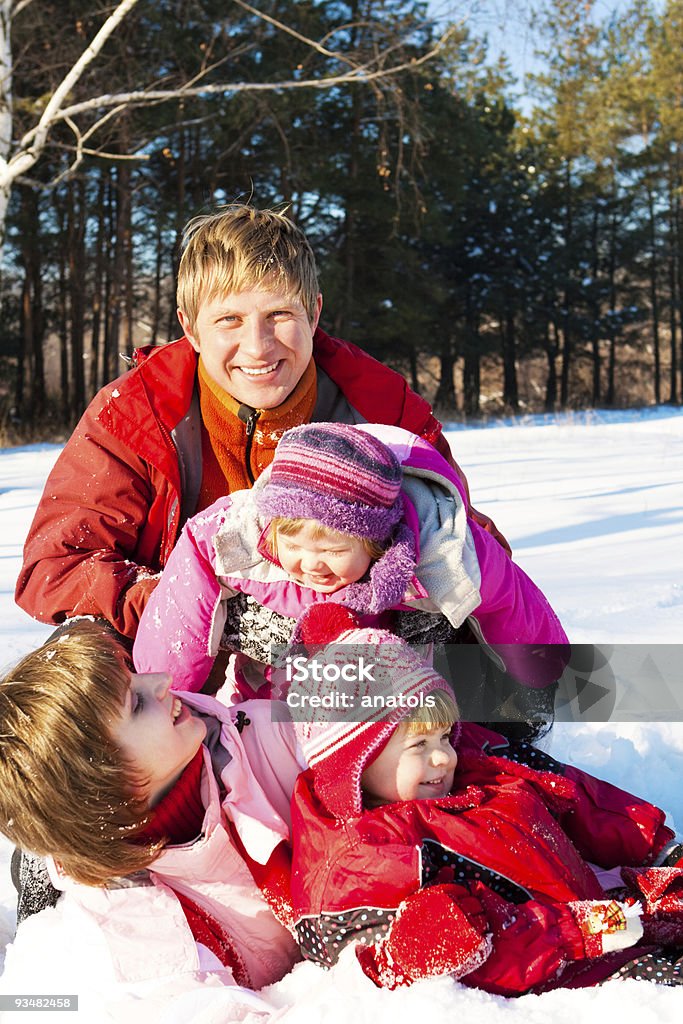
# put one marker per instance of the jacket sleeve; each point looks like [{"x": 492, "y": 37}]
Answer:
[
  {"x": 482, "y": 520},
  {"x": 181, "y": 627},
  {"x": 609, "y": 826},
  {"x": 514, "y": 618},
  {"x": 469, "y": 576},
  {"x": 80, "y": 557}
]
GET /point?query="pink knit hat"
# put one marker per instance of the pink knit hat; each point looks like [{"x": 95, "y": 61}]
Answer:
[
  {"x": 339, "y": 751},
  {"x": 337, "y": 474},
  {"x": 350, "y": 481}
]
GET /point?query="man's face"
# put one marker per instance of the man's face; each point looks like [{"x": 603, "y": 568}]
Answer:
[
  {"x": 255, "y": 344},
  {"x": 412, "y": 766},
  {"x": 156, "y": 732}
]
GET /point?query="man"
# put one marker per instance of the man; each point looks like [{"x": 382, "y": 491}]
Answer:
[{"x": 200, "y": 418}]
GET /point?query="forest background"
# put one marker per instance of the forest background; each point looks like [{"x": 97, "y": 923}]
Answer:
[{"x": 510, "y": 246}]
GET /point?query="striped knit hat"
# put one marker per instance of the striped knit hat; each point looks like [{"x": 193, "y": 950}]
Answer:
[
  {"x": 337, "y": 474},
  {"x": 338, "y": 746},
  {"x": 350, "y": 481}
]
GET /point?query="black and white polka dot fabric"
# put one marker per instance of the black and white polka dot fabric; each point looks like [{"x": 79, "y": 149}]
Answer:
[
  {"x": 532, "y": 757},
  {"x": 460, "y": 869},
  {"x": 322, "y": 938},
  {"x": 663, "y": 967}
]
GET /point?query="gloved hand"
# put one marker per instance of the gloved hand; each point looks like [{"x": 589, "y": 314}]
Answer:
[
  {"x": 438, "y": 930},
  {"x": 533, "y": 941},
  {"x": 660, "y": 890}
]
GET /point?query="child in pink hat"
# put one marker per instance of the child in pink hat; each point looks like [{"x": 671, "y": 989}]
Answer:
[{"x": 371, "y": 516}]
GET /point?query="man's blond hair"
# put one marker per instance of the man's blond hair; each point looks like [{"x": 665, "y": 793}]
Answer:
[
  {"x": 65, "y": 788},
  {"x": 240, "y": 247}
]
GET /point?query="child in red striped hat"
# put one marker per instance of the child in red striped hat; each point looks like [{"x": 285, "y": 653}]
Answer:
[
  {"x": 367, "y": 515},
  {"x": 415, "y": 842}
]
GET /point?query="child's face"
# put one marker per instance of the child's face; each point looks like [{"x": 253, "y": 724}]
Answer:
[
  {"x": 412, "y": 766},
  {"x": 325, "y": 564},
  {"x": 255, "y": 344},
  {"x": 156, "y": 733}
]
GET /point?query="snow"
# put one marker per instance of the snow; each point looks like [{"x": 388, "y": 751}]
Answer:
[{"x": 592, "y": 505}]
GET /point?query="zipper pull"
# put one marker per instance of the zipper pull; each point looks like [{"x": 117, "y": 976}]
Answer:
[
  {"x": 249, "y": 417},
  {"x": 246, "y": 414},
  {"x": 251, "y": 422}
]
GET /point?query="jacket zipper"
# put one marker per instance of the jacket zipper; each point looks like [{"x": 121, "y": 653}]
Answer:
[{"x": 249, "y": 417}]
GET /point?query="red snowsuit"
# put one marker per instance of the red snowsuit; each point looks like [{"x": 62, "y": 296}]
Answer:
[
  {"x": 509, "y": 847},
  {"x": 129, "y": 476}
]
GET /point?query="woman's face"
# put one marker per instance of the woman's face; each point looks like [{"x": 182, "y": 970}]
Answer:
[{"x": 156, "y": 733}]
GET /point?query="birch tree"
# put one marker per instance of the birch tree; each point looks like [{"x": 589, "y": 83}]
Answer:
[{"x": 86, "y": 116}]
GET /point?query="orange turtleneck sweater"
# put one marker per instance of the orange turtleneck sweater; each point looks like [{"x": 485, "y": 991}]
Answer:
[{"x": 239, "y": 442}]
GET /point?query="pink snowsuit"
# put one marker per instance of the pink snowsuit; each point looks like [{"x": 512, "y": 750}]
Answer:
[{"x": 140, "y": 925}]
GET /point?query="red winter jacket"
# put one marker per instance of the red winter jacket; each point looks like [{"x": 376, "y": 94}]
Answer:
[
  {"x": 129, "y": 477},
  {"x": 510, "y": 847}
]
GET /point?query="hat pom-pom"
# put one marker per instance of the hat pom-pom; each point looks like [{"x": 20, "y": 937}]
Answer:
[{"x": 323, "y": 623}]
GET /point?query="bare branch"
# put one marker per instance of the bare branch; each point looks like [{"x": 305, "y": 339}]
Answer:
[
  {"x": 32, "y": 144},
  {"x": 292, "y": 32},
  {"x": 154, "y": 96},
  {"x": 22, "y": 5},
  {"x": 101, "y": 154}
]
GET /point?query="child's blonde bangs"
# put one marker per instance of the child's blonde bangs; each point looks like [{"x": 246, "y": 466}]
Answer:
[
  {"x": 442, "y": 712},
  {"x": 286, "y": 527}
]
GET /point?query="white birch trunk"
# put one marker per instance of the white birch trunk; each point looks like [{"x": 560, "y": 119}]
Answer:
[
  {"x": 5, "y": 111},
  {"x": 29, "y": 150}
]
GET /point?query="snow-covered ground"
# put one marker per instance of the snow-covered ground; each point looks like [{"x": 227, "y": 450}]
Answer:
[{"x": 593, "y": 507}]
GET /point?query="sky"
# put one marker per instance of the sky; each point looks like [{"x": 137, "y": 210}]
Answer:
[
  {"x": 508, "y": 24},
  {"x": 593, "y": 506}
]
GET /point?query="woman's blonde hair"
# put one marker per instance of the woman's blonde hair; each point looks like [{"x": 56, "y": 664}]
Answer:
[
  {"x": 441, "y": 714},
  {"x": 240, "y": 247},
  {"x": 65, "y": 788},
  {"x": 319, "y": 531}
]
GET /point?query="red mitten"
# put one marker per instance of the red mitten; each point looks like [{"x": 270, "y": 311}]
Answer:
[
  {"x": 660, "y": 890},
  {"x": 532, "y": 942},
  {"x": 439, "y": 930}
]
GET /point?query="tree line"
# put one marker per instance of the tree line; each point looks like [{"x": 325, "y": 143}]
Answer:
[{"x": 502, "y": 257}]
